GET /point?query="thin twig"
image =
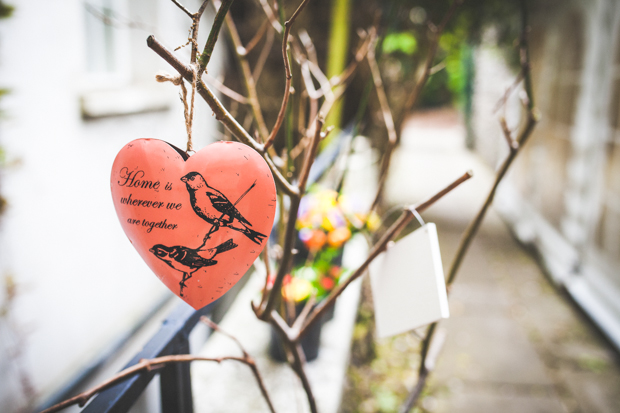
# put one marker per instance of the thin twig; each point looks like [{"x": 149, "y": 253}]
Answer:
[
  {"x": 388, "y": 120},
  {"x": 180, "y": 6},
  {"x": 290, "y": 232},
  {"x": 299, "y": 359},
  {"x": 147, "y": 366},
  {"x": 340, "y": 84},
  {"x": 246, "y": 356},
  {"x": 436, "y": 32},
  {"x": 248, "y": 78},
  {"x": 196, "y": 23},
  {"x": 299, "y": 321},
  {"x": 222, "y": 114},
  {"x": 313, "y": 94},
  {"x": 287, "y": 70},
  {"x": 473, "y": 227},
  {"x": 513, "y": 145},
  {"x": 310, "y": 155},
  {"x": 254, "y": 41},
  {"x": 502, "y": 101},
  {"x": 264, "y": 54},
  {"x": 392, "y": 232},
  {"x": 360, "y": 55},
  {"x": 271, "y": 16},
  {"x": 213, "y": 35},
  {"x": 225, "y": 90}
]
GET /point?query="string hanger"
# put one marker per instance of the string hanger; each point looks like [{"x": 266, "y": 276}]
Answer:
[
  {"x": 188, "y": 109},
  {"x": 418, "y": 217}
]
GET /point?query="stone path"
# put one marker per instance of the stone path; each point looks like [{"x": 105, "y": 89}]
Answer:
[{"x": 514, "y": 342}]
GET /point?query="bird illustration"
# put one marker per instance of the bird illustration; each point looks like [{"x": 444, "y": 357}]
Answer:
[
  {"x": 188, "y": 260},
  {"x": 213, "y": 206}
]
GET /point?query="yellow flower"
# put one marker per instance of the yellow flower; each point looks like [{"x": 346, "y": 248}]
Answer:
[
  {"x": 338, "y": 237},
  {"x": 326, "y": 200},
  {"x": 373, "y": 222},
  {"x": 297, "y": 290},
  {"x": 326, "y": 223}
]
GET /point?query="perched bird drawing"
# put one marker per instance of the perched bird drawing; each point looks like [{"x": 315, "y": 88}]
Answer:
[
  {"x": 213, "y": 206},
  {"x": 188, "y": 260}
]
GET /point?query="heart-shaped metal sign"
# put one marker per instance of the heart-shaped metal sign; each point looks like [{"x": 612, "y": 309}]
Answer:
[{"x": 199, "y": 222}]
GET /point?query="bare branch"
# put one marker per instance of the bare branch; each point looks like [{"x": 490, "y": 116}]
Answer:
[
  {"x": 340, "y": 83},
  {"x": 513, "y": 145},
  {"x": 147, "y": 366},
  {"x": 392, "y": 232},
  {"x": 180, "y": 6},
  {"x": 532, "y": 119},
  {"x": 248, "y": 79},
  {"x": 213, "y": 35},
  {"x": 224, "y": 90},
  {"x": 195, "y": 25},
  {"x": 306, "y": 40},
  {"x": 432, "y": 51},
  {"x": 221, "y": 113},
  {"x": 217, "y": 328},
  {"x": 388, "y": 120},
  {"x": 254, "y": 41},
  {"x": 473, "y": 227},
  {"x": 502, "y": 101},
  {"x": 289, "y": 232},
  {"x": 287, "y": 69},
  {"x": 264, "y": 54},
  {"x": 345, "y": 76},
  {"x": 299, "y": 359},
  {"x": 310, "y": 155},
  {"x": 271, "y": 16},
  {"x": 250, "y": 361}
]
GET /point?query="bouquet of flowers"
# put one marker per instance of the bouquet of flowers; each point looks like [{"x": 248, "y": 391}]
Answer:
[{"x": 325, "y": 222}]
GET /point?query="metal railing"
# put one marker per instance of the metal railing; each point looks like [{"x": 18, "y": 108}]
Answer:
[{"x": 175, "y": 380}]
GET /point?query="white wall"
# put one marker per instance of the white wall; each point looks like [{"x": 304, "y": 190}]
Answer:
[{"x": 80, "y": 282}]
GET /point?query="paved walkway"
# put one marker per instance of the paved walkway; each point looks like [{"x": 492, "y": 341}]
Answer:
[{"x": 514, "y": 343}]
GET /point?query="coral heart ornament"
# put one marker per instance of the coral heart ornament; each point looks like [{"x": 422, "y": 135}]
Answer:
[{"x": 198, "y": 222}]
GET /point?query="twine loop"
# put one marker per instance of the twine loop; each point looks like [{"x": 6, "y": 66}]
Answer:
[{"x": 188, "y": 108}]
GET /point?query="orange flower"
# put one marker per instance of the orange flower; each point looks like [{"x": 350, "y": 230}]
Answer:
[
  {"x": 316, "y": 240},
  {"x": 338, "y": 237}
]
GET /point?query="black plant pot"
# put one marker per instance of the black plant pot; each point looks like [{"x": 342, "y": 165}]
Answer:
[
  {"x": 309, "y": 343},
  {"x": 328, "y": 315}
]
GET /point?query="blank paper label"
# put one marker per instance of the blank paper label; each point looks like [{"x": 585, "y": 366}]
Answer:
[{"x": 408, "y": 285}]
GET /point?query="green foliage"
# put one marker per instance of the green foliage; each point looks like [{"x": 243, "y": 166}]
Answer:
[
  {"x": 6, "y": 10},
  {"x": 408, "y": 41},
  {"x": 403, "y": 42}
]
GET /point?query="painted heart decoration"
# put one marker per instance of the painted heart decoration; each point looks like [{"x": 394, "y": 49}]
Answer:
[{"x": 198, "y": 221}]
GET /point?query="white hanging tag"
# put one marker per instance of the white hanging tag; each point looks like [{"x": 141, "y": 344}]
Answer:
[{"x": 408, "y": 285}]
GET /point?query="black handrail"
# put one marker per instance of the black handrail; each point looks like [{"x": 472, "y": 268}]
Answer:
[
  {"x": 176, "y": 394},
  {"x": 73, "y": 386}
]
